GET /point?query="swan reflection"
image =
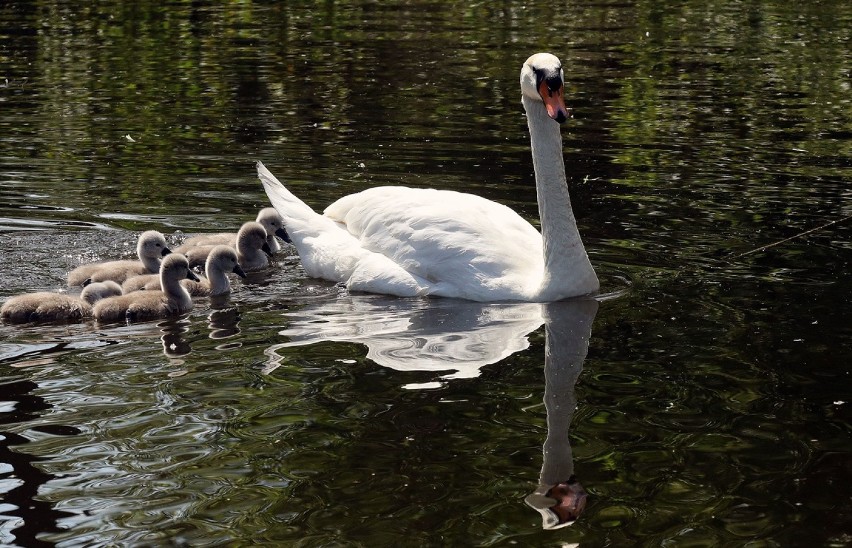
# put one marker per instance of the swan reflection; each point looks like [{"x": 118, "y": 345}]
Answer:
[
  {"x": 559, "y": 497},
  {"x": 439, "y": 335},
  {"x": 172, "y": 332},
  {"x": 224, "y": 318},
  {"x": 461, "y": 337}
]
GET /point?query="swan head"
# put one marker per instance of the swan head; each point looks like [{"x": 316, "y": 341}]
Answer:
[
  {"x": 273, "y": 223},
  {"x": 152, "y": 245},
  {"x": 543, "y": 80},
  {"x": 252, "y": 236},
  {"x": 223, "y": 259},
  {"x": 175, "y": 267}
]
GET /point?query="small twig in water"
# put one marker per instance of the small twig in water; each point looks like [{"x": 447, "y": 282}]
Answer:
[{"x": 799, "y": 235}]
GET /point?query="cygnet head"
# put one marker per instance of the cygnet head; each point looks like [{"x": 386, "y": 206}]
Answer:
[
  {"x": 223, "y": 258},
  {"x": 152, "y": 245},
  {"x": 96, "y": 291},
  {"x": 543, "y": 81},
  {"x": 174, "y": 268},
  {"x": 273, "y": 223},
  {"x": 252, "y": 236}
]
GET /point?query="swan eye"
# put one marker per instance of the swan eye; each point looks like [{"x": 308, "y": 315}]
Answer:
[{"x": 551, "y": 77}]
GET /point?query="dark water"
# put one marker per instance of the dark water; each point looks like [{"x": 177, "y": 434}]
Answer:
[{"x": 704, "y": 402}]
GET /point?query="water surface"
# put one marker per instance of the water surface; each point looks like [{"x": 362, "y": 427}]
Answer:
[{"x": 703, "y": 402}]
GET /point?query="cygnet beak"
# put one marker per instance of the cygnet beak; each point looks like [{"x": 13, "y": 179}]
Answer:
[
  {"x": 266, "y": 249},
  {"x": 281, "y": 233},
  {"x": 190, "y": 275},
  {"x": 238, "y": 270},
  {"x": 166, "y": 251}
]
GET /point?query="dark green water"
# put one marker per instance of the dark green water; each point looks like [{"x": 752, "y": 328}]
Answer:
[{"x": 703, "y": 402}]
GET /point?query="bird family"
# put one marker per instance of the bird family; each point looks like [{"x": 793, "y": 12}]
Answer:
[
  {"x": 393, "y": 240},
  {"x": 160, "y": 283}
]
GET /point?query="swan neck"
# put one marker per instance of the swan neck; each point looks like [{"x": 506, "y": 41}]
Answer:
[
  {"x": 568, "y": 328},
  {"x": 152, "y": 264},
  {"x": 218, "y": 281},
  {"x": 564, "y": 253},
  {"x": 174, "y": 290}
]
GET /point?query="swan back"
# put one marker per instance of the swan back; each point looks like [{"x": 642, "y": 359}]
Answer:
[
  {"x": 96, "y": 291},
  {"x": 150, "y": 248},
  {"x": 44, "y": 307},
  {"x": 143, "y": 281}
]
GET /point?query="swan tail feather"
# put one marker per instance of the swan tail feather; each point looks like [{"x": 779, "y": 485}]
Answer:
[{"x": 291, "y": 208}]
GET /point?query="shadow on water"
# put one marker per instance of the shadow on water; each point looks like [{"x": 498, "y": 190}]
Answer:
[{"x": 25, "y": 514}]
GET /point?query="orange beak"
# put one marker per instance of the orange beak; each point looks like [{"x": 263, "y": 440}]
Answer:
[{"x": 554, "y": 102}]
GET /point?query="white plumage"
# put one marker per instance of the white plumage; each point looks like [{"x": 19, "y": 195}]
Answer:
[{"x": 408, "y": 242}]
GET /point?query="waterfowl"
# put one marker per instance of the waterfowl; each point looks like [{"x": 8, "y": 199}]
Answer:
[
  {"x": 141, "y": 282},
  {"x": 252, "y": 248},
  {"x": 96, "y": 291},
  {"x": 409, "y": 242},
  {"x": 48, "y": 307},
  {"x": 221, "y": 261},
  {"x": 148, "y": 305},
  {"x": 150, "y": 248},
  {"x": 268, "y": 217}
]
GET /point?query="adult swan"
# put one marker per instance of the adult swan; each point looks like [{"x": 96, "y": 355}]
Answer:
[{"x": 407, "y": 242}]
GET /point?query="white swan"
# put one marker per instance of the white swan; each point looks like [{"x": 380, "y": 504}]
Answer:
[
  {"x": 408, "y": 242},
  {"x": 268, "y": 217},
  {"x": 150, "y": 248}
]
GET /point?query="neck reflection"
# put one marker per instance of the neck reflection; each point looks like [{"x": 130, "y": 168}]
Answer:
[{"x": 559, "y": 497}]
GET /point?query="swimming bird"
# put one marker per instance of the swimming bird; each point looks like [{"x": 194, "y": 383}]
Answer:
[
  {"x": 49, "y": 307},
  {"x": 252, "y": 248},
  {"x": 408, "y": 242},
  {"x": 268, "y": 217},
  {"x": 221, "y": 260},
  {"x": 96, "y": 291},
  {"x": 149, "y": 305},
  {"x": 150, "y": 248}
]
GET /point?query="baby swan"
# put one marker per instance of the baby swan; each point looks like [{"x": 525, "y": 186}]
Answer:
[
  {"x": 149, "y": 305},
  {"x": 47, "y": 307},
  {"x": 221, "y": 260},
  {"x": 252, "y": 248},
  {"x": 150, "y": 248},
  {"x": 96, "y": 291},
  {"x": 268, "y": 217}
]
